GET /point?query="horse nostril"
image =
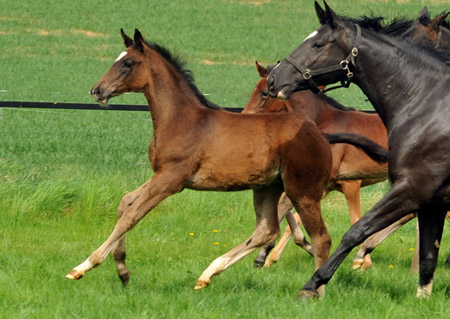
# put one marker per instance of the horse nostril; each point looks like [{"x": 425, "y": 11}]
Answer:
[
  {"x": 270, "y": 82},
  {"x": 95, "y": 91}
]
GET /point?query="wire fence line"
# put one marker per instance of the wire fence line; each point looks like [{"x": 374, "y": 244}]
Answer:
[{"x": 86, "y": 106}]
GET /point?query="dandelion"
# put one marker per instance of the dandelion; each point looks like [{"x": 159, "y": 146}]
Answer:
[
  {"x": 391, "y": 266},
  {"x": 216, "y": 243},
  {"x": 191, "y": 234},
  {"x": 411, "y": 249},
  {"x": 215, "y": 231}
]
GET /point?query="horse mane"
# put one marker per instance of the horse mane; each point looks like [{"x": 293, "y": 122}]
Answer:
[
  {"x": 399, "y": 28},
  {"x": 187, "y": 75}
]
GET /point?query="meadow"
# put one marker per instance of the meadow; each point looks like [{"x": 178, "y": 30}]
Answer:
[{"x": 63, "y": 172}]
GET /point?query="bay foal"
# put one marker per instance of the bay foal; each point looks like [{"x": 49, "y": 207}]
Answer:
[
  {"x": 351, "y": 167},
  {"x": 196, "y": 145}
]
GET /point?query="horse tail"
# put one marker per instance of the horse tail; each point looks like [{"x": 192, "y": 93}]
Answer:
[{"x": 375, "y": 151}]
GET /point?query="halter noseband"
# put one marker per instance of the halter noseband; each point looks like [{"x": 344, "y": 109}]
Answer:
[{"x": 343, "y": 65}]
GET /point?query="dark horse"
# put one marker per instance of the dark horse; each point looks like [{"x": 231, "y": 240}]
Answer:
[
  {"x": 198, "y": 146},
  {"x": 423, "y": 28},
  {"x": 407, "y": 83},
  {"x": 351, "y": 168}
]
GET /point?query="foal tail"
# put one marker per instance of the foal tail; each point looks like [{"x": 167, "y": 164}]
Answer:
[{"x": 375, "y": 151}]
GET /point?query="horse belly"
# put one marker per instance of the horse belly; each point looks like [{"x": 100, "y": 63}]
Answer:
[{"x": 234, "y": 176}]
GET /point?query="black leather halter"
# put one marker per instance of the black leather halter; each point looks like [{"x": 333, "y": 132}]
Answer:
[{"x": 343, "y": 65}]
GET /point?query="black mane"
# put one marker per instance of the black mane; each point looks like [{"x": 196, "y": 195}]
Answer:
[
  {"x": 400, "y": 28},
  {"x": 179, "y": 65}
]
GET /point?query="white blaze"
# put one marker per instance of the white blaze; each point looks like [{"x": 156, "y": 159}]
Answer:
[
  {"x": 310, "y": 36},
  {"x": 124, "y": 53}
]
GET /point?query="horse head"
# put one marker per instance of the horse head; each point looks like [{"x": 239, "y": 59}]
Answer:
[
  {"x": 326, "y": 56},
  {"x": 124, "y": 75}
]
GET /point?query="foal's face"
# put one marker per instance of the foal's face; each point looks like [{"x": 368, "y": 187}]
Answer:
[
  {"x": 260, "y": 101},
  {"x": 327, "y": 46},
  {"x": 125, "y": 75}
]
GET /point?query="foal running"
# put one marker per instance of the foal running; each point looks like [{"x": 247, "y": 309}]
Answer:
[{"x": 196, "y": 145}]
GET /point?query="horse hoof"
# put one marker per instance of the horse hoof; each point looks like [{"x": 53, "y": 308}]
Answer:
[
  {"x": 125, "y": 278},
  {"x": 74, "y": 275},
  {"x": 357, "y": 264},
  {"x": 269, "y": 263},
  {"x": 304, "y": 295},
  {"x": 201, "y": 284}
]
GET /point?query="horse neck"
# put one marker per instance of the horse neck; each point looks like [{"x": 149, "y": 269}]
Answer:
[
  {"x": 309, "y": 104},
  {"x": 170, "y": 98},
  {"x": 386, "y": 70}
]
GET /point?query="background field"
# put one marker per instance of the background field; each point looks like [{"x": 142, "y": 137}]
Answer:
[{"x": 63, "y": 173}]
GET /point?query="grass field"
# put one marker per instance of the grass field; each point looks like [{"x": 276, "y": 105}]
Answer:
[{"x": 63, "y": 173}]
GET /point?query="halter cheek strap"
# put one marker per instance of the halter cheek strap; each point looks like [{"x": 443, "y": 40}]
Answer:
[
  {"x": 439, "y": 38},
  {"x": 343, "y": 65}
]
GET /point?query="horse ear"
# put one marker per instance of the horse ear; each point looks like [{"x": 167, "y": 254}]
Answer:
[
  {"x": 320, "y": 13},
  {"x": 261, "y": 70},
  {"x": 126, "y": 39},
  {"x": 423, "y": 14},
  {"x": 331, "y": 17},
  {"x": 439, "y": 20},
  {"x": 138, "y": 40}
]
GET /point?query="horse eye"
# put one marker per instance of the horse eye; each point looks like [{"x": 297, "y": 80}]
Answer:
[
  {"x": 265, "y": 93},
  {"x": 318, "y": 45},
  {"x": 128, "y": 63}
]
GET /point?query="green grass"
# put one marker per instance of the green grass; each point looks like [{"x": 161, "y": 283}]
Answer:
[{"x": 63, "y": 173}]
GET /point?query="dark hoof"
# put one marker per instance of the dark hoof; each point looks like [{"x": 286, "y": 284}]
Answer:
[
  {"x": 125, "y": 278},
  {"x": 258, "y": 263},
  {"x": 304, "y": 295}
]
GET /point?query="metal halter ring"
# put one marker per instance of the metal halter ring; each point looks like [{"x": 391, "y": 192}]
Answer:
[
  {"x": 344, "y": 64},
  {"x": 307, "y": 74},
  {"x": 355, "y": 52}
]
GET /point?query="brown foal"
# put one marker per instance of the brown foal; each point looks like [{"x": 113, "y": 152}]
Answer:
[
  {"x": 196, "y": 145},
  {"x": 351, "y": 168}
]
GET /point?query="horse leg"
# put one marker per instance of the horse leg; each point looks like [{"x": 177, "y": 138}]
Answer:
[
  {"x": 351, "y": 191},
  {"x": 118, "y": 249},
  {"x": 284, "y": 209},
  {"x": 299, "y": 238},
  {"x": 431, "y": 224},
  {"x": 310, "y": 213},
  {"x": 448, "y": 219},
  {"x": 148, "y": 196},
  {"x": 416, "y": 259},
  {"x": 393, "y": 206},
  {"x": 377, "y": 238},
  {"x": 267, "y": 229}
]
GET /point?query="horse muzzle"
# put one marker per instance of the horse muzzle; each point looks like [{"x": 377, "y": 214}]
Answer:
[{"x": 100, "y": 96}]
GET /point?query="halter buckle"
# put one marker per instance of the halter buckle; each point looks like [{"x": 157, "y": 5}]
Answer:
[{"x": 355, "y": 52}]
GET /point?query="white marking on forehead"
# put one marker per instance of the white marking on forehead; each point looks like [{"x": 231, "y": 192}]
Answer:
[
  {"x": 124, "y": 53},
  {"x": 310, "y": 36}
]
